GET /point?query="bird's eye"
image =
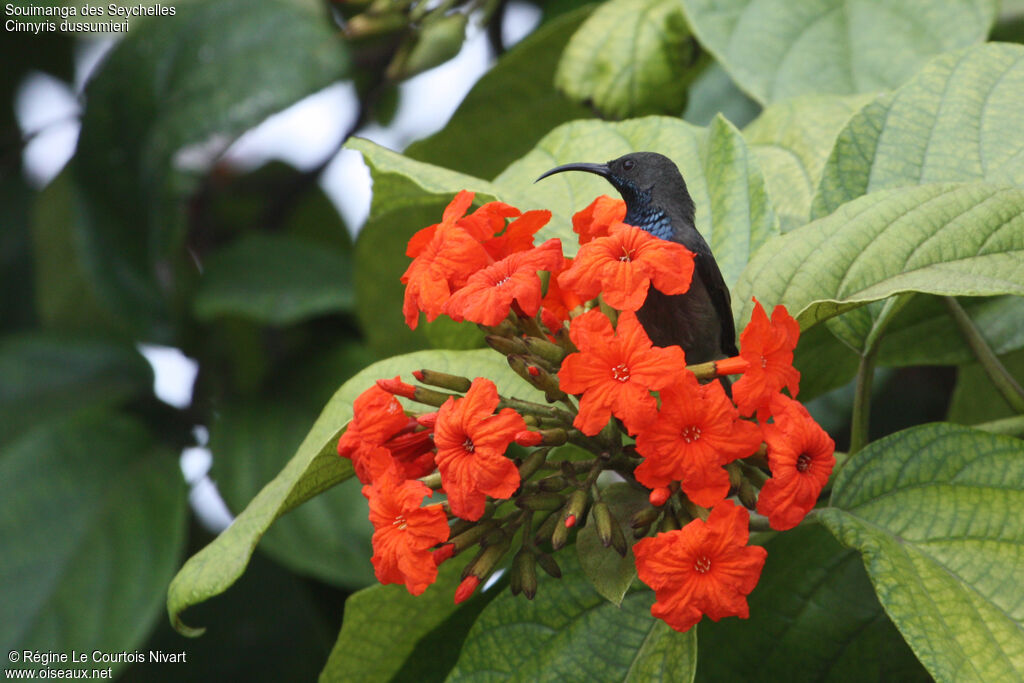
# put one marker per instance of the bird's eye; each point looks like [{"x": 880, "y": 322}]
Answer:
[{"x": 628, "y": 165}]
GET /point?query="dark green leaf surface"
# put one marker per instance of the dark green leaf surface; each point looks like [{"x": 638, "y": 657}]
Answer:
[
  {"x": 213, "y": 69},
  {"x": 49, "y": 374},
  {"x": 92, "y": 528},
  {"x": 610, "y": 573},
  {"x": 954, "y": 239},
  {"x": 934, "y": 510},
  {"x": 274, "y": 279},
  {"x": 957, "y": 120},
  {"x": 514, "y": 97},
  {"x": 975, "y": 399},
  {"x": 777, "y": 49},
  {"x": 631, "y": 58},
  {"x": 313, "y": 469},
  {"x": 568, "y": 632},
  {"x": 813, "y": 605}
]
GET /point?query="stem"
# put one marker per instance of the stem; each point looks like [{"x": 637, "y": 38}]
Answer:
[
  {"x": 1004, "y": 381},
  {"x": 1010, "y": 426},
  {"x": 859, "y": 423}
]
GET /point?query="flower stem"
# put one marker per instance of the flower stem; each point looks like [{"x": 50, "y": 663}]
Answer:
[
  {"x": 997, "y": 372},
  {"x": 1010, "y": 426}
]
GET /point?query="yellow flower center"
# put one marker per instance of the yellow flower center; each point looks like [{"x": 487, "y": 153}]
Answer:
[
  {"x": 690, "y": 433},
  {"x": 620, "y": 372},
  {"x": 703, "y": 564},
  {"x": 400, "y": 522}
]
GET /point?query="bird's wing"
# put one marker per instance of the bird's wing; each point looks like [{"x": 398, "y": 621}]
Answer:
[{"x": 707, "y": 270}]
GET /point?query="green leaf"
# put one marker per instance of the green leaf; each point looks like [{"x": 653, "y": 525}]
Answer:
[
  {"x": 776, "y": 49},
  {"x": 329, "y": 536},
  {"x": 956, "y": 120},
  {"x": 733, "y": 211},
  {"x": 570, "y": 633},
  {"x": 213, "y": 69},
  {"x": 813, "y": 605},
  {"x": 515, "y": 97},
  {"x": 824, "y": 362},
  {"x": 275, "y": 280},
  {"x": 975, "y": 399},
  {"x": 934, "y": 510},
  {"x": 631, "y": 58},
  {"x": 314, "y": 468},
  {"x": 953, "y": 239},
  {"x": 92, "y": 527},
  {"x": 610, "y": 573},
  {"x": 383, "y": 624},
  {"x": 49, "y": 374},
  {"x": 792, "y": 140},
  {"x": 17, "y": 270}
]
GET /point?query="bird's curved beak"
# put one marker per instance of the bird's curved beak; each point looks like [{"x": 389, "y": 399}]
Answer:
[{"x": 597, "y": 169}]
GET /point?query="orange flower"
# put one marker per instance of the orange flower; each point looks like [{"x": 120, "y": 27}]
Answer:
[
  {"x": 380, "y": 432},
  {"x": 403, "y": 531},
  {"x": 703, "y": 568},
  {"x": 518, "y": 236},
  {"x": 440, "y": 268},
  {"x": 489, "y": 293},
  {"x": 558, "y": 302},
  {"x": 800, "y": 455},
  {"x": 594, "y": 221},
  {"x": 623, "y": 265},
  {"x": 455, "y": 210},
  {"x": 696, "y": 431},
  {"x": 471, "y": 442},
  {"x": 768, "y": 348},
  {"x": 616, "y": 371}
]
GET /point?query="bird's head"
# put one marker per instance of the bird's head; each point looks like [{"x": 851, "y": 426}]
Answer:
[{"x": 647, "y": 181}]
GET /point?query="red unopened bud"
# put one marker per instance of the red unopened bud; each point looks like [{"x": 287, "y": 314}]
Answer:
[
  {"x": 528, "y": 438},
  {"x": 659, "y": 495},
  {"x": 533, "y": 370},
  {"x": 731, "y": 366},
  {"x": 428, "y": 420},
  {"x": 445, "y": 552},
  {"x": 418, "y": 374},
  {"x": 397, "y": 387},
  {"x": 570, "y": 521},
  {"x": 466, "y": 588}
]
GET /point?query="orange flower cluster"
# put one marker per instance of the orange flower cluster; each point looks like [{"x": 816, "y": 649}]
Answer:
[{"x": 689, "y": 432}]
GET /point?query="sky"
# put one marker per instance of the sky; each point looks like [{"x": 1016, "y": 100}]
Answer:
[{"x": 303, "y": 135}]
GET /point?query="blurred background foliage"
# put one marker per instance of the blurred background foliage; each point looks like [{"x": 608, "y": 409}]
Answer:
[{"x": 254, "y": 274}]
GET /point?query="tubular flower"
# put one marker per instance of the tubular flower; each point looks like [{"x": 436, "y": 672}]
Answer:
[
  {"x": 696, "y": 431},
  {"x": 558, "y": 302},
  {"x": 518, "y": 236},
  {"x": 800, "y": 455},
  {"x": 440, "y": 268},
  {"x": 616, "y": 371},
  {"x": 471, "y": 442},
  {"x": 703, "y": 568},
  {"x": 768, "y": 348},
  {"x": 455, "y": 210},
  {"x": 404, "y": 532},
  {"x": 623, "y": 265},
  {"x": 489, "y": 293},
  {"x": 594, "y": 221},
  {"x": 381, "y": 432}
]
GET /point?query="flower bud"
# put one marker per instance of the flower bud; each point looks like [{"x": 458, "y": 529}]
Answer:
[
  {"x": 731, "y": 366},
  {"x": 748, "y": 495},
  {"x": 538, "y": 377},
  {"x": 546, "y": 528},
  {"x": 445, "y": 552},
  {"x": 555, "y": 483},
  {"x": 471, "y": 536},
  {"x": 397, "y": 387},
  {"x": 523, "y": 575},
  {"x": 548, "y": 564},
  {"x": 528, "y": 438},
  {"x": 644, "y": 517},
  {"x": 466, "y": 588},
  {"x": 443, "y": 380},
  {"x": 602, "y": 517},
  {"x": 508, "y": 346},
  {"x": 545, "y": 437},
  {"x": 542, "y": 348},
  {"x": 532, "y": 463},
  {"x": 659, "y": 495},
  {"x": 576, "y": 505},
  {"x": 560, "y": 535},
  {"x": 540, "y": 501}
]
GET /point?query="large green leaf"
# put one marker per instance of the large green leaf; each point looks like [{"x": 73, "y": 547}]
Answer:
[
  {"x": 953, "y": 239},
  {"x": 213, "y": 69},
  {"x": 956, "y": 120},
  {"x": 975, "y": 399},
  {"x": 49, "y": 374},
  {"x": 314, "y": 468},
  {"x": 610, "y": 573},
  {"x": 776, "y": 49},
  {"x": 935, "y": 511},
  {"x": 813, "y": 605},
  {"x": 514, "y": 97},
  {"x": 570, "y": 633},
  {"x": 274, "y": 279},
  {"x": 329, "y": 536},
  {"x": 713, "y": 93},
  {"x": 792, "y": 140},
  {"x": 631, "y": 58},
  {"x": 383, "y": 624},
  {"x": 92, "y": 528}
]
